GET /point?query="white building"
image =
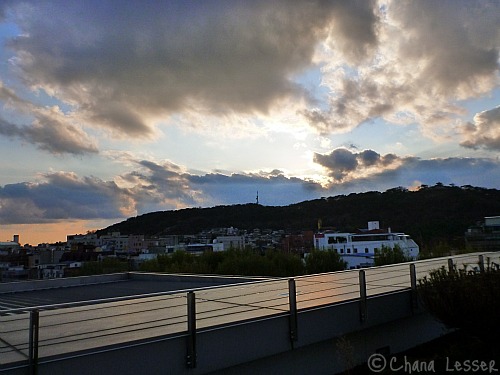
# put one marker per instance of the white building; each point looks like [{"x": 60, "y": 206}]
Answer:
[
  {"x": 90, "y": 239},
  {"x": 195, "y": 248},
  {"x": 231, "y": 242},
  {"x": 486, "y": 236},
  {"x": 358, "y": 249},
  {"x": 11, "y": 245},
  {"x": 115, "y": 242}
]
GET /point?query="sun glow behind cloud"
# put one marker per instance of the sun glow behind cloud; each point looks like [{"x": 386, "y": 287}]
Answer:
[{"x": 125, "y": 108}]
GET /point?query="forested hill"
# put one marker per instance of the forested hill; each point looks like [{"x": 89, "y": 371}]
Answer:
[{"x": 431, "y": 214}]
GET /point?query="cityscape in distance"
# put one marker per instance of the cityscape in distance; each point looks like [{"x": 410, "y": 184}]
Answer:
[{"x": 440, "y": 219}]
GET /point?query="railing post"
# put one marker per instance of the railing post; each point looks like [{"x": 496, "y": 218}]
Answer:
[
  {"x": 191, "y": 321},
  {"x": 413, "y": 282},
  {"x": 481, "y": 263},
  {"x": 292, "y": 300},
  {"x": 451, "y": 267},
  {"x": 33, "y": 341},
  {"x": 362, "y": 296}
]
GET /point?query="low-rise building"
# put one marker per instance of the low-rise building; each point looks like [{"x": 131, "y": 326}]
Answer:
[
  {"x": 10, "y": 245},
  {"x": 196, "y": 248},
  {"x": 89, "y": 239},
  {"x": 115, "y": 242},
  {"x": 358, "y": 249},
  {"x": 484, "y": 236},
  {"x": 231, "y": 242},
  {"x": 298, "y": 243}
]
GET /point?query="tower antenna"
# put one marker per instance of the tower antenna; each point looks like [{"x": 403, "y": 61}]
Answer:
[{"x": 257, "y": 197}]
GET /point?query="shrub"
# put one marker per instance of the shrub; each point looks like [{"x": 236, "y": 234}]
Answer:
[
  {"x": 388, "y": 255},
  {"x": 464, "y": 300},
  {"x": 107, "y": 265},
  {"x": 318, "y": 261},
  {"x": 232, "y": 262}
]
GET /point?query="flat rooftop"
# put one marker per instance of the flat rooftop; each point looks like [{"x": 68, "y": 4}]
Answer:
[
  {"x": 26, "y": 294},
  {"x": 106, "y": 311}
]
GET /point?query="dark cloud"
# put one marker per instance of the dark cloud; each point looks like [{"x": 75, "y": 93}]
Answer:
[
  {"x": 428, "y": 55},
  {"x": 368, "y": 170},
  {"x": 388, "y": 159},
  {"x": 369, "y": 157},
  {"x": 339, "y": 162},
  {"x": 274, "y": 188},
  {"x": 354, "y": 30},
  {"x": 50, "y": 135},
  {"x": 158, "y": 186},
  {"x": 483, "y": 172},
  {"x": 4, "y": 5},
  {"x": 484, "y": 131},
  {"x": 357, "y": 101},
  {"x": 123, "y": 63},
  {"x": 175, "y": 187},
  {"x": 343, "y": 164},
  {"x": 50, "y": 130},
  {"x": 458, "y": 40},
  {"x": 123, "y": 66},
  {"x": 62, "y": 196},
  {"x": 150, "y": 187},
  {"x": 7, "y": 95}
]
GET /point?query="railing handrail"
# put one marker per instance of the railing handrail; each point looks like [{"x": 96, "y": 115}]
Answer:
[
  {"x": 197, "y": 289},
  {"x": 366, "y": 283},
  {"x": 126, "y": 298}
]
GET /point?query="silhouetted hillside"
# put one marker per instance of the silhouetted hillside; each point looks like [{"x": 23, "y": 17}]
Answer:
[{"x": 430, "y": 215}]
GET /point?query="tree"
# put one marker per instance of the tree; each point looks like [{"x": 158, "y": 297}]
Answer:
[
  {"x": 318, "y": 261},
  {"x": 232, "y": 262},
  {"x": 107, "y": 265},
  {"x": 388, "y": 255},
  {"x": 244, "y": 262},
  {"x": 464, "y": 300},
  {"x": 285, "y": 264}
]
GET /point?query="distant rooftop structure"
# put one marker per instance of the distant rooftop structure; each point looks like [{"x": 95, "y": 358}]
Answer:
[
  {"x": 359, "y": 249},
  {"x": 372, "y": 225},
  {"x": 492, "y": 221},
  {"x": 484, "y": 236},
  {"x": 14, "y": 244}
]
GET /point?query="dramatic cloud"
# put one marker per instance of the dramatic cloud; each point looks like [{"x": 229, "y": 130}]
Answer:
[
  {"x": 51, "y": 130},
  {"x": 51, "y": 135},
  {"x": 354, "y": 29},
  {"x": 484, "y": 131},
  {"x": 149, "y": 187},
  {"x": 429, "y": 54},
  {"x": 126, "y": 67},
  {"x": 62, "y": 196},
  {"x": 344, "y": 164},
  {"x": 122, "y": 64},
  {"x": 240, "y": 97},
  {"x": 160, "y": 185},
  {"x": 170, "y": 186},
  {"x": 459, "y": 56},
  {"x": 153, "y": 186},
  {"x": 368, "y": 170}
]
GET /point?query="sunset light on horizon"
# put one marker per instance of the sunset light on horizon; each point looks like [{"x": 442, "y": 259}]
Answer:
[{"x": 113, "y": 109}]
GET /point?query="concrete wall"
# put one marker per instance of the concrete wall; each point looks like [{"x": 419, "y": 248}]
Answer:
[
  {"x": 23, "y": 286},
  {"x": 330, "y": 339},
  {"x": 204, "y": 279},
  {"x": 338, "y": 354}
]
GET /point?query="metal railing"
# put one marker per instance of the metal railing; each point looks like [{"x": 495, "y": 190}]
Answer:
[{"x": 29, "y": 335}]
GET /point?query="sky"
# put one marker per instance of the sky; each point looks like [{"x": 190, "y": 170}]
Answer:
[{"x": 111, "y": 109}]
